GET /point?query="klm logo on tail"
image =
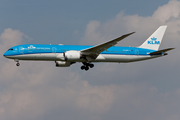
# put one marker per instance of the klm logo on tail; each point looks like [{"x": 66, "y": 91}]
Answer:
[{"x": 153, "y": 41}]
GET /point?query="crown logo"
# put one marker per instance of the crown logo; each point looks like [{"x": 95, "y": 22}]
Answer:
[
  {"x": 31, "y": 47},
  {"x": 153, "y": 38}
]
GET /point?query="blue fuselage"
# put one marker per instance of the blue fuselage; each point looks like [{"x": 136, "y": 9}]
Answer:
[{"x": 55, "y": 53}]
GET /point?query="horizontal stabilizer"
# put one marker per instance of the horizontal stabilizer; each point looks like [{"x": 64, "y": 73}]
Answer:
[{"x": 161, "y": 51}]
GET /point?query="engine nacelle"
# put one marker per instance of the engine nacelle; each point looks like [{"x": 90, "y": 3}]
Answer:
[
  {"x": 62, "y": 63},
  {"x": 72, "y": 55}
]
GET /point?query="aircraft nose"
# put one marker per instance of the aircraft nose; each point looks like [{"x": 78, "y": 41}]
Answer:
[{"x": 5, "y": 54}]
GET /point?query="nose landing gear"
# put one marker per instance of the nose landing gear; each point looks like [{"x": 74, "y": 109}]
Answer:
[
  {"x": 86, "y": 66},
  {"x": 17, "y": 64}
]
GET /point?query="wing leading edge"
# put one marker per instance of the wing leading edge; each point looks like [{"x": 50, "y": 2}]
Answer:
[{"x": 93, "y": 52}]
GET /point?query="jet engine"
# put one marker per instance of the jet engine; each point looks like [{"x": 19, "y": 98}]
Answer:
[
  {"x": 72, "y": 55},
  {"x": 62, "y": 63}
]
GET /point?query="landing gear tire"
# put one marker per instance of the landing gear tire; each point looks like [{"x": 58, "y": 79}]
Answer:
[
  {"x": 82, "y": 67},
  {"x": 17, "y": 64},
  {"x": 86, "y": 68},
  {"x": 91, "y": 65}
]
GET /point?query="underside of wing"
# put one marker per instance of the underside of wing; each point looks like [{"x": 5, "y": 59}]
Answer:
[{"x": 93, "y": 52}]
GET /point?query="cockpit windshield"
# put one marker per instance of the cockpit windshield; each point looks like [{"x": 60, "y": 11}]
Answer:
[{"x": 11, "y": 49}]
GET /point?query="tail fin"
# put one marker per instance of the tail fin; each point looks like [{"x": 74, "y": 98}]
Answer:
[{"x": 154, "y": 41}]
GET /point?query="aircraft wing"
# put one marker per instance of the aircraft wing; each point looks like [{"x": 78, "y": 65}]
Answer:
[
  {"x": 160, "y": 51},
  {"x": 93, "y": 52}
]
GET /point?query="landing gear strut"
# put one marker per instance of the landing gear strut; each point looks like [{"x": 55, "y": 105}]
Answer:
[
  {"x": 17, "y": 64},
  {"x": 86, "y": 66}
]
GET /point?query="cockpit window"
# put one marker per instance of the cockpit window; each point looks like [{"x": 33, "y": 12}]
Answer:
[{"x": 10, "y": 49}]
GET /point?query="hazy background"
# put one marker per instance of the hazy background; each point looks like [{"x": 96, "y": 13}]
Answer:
[{"x": 147, "y": 90}]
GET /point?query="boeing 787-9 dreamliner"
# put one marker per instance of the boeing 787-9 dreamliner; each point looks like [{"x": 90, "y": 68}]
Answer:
[{"x": 66, "y": 55}]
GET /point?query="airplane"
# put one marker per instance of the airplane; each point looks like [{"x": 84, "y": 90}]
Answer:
[{"x": 66, "y": 55}]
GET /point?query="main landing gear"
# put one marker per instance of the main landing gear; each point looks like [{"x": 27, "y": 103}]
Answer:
[
  {"x": 86, "y": 66},
  {"x": 17, "y": 64}
]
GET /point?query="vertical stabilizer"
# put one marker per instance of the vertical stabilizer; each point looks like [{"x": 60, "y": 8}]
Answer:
[{"x": 154, "y": 41}]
